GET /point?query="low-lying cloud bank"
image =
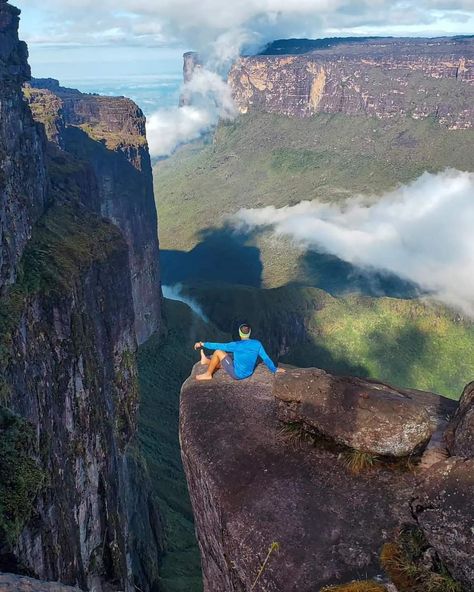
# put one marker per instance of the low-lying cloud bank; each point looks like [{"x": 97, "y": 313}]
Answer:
[
  {"x": 175, "y": 292},
  {"x": 211, "y": 100},
  {"x": 422, "y": 232}
]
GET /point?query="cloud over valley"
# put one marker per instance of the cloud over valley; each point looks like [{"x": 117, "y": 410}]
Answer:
[{"x": 422, "y": 232}]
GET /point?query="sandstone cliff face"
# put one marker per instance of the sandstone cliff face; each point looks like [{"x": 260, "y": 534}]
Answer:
[
  {"x": 22, "y": 177},
  {"x": 380, "y": 78},
  {"x": 109, "y": 134},
  {"x": 71, "y": 373},
  {"x": 75, "y": 505},
  {"x": 253, "y": 485}
]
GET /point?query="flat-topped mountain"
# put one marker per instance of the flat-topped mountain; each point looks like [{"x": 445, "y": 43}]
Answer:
[{"x": 385, "y": 78}]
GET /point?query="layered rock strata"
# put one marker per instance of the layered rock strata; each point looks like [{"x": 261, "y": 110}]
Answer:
[{"x": 384, "y": 78}]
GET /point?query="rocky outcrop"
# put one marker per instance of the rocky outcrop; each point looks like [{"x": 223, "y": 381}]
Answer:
[
  {"x": 385, "y": 78},
  {"x": 365, "y": 415},
  {"x": 13, "y": 583},
  {"x": 289, "y": 499},
  {"x": 191, "y": 63},
  {"x": 22, "y": 176},
  {"x": 460, "y": 434},
  {"x": 444, "y": 509},
  {"x": 109, "y": 135},
  {"x": 250, "y": 488}
]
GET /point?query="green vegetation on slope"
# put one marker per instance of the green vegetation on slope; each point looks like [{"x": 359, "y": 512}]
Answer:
[
  {"x": 164, "y": 363},
  {"x": 264, "y": 159},
  {"x": 20, "y": 476},
  {"x": 405, "y": 342},
  {"x": 64, "y": 242}
]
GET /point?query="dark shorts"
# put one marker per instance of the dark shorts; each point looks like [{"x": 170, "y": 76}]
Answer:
[{"x": 228, "y": 365}]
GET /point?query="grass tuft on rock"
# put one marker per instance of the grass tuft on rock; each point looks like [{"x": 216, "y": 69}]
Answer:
[
  {"x": 413, "y": 566},
  {"x": 366, "y": 586},
  {"x": 359, "y": 461}
]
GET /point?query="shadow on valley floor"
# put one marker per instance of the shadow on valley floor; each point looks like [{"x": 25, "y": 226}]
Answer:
[
  {"x": 226, "y": 256},
  {"x": 338, "y": 277},
  {"x": 221, "y": 255}
]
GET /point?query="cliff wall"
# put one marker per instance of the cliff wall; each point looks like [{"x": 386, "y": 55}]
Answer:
[
  {"x": 109, "y": 134},
  {"x": 75, "y": 500},
  {"x": 380, "y": 78},
  {"x": 22, "y": 177},
  {"x": 71, "y": 373}
]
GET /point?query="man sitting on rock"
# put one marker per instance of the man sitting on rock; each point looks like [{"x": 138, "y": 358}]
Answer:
[{"x": 237, "y": 358}]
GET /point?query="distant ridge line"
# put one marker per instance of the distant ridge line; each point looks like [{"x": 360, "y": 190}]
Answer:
[{"x": 296, "y": 46}]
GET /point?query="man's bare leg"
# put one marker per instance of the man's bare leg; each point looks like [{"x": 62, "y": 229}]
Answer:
[
  {"x": 205, "y": 361},
  {"x": 214, "y": 364}
]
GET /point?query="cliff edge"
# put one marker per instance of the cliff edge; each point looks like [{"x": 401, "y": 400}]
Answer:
[{"x": 269, "y": 489}]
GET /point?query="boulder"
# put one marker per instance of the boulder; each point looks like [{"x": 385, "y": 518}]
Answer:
[
  {"x": 444, "y": 509},
  {"x": 460, "y": 433},
  {"x": 362, "y": 414}
]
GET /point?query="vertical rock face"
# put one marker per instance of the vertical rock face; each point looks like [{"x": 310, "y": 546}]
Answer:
[
  {"x": 383, "y": 78},
  {"x": 22, "y": 177},
  {"x": 460, "y": 434},
  {"x": 109, "y": 134},
  {"x": 71, "y": 373},
  {"x": 444, "y": 509},
  {"x": 191, "y": 63},
  {"x": 80, "y": 289}
]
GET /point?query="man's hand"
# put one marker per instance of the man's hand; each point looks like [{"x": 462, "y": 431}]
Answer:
[
  {"x": 281, "y": 371},
  {"x": 198, "y": 345}
]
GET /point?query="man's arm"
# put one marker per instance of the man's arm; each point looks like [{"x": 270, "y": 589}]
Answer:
[
  {"x": 267, "y": 360},
  {"x": 227, "y": 347}
]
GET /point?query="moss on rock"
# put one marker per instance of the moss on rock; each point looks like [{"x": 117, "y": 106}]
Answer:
[{"x": 20, "y": 476}]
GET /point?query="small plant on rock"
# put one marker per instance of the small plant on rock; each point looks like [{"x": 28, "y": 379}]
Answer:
[
  {"x": 404, "y": 561},
  {"x": 295, "y": 434},
  {"x": 358, "y": 461},
  {"x": 273, "y": 547}
]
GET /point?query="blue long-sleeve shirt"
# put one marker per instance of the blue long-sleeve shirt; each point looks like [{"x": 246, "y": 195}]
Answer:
[{"x": 245, "y": 353}]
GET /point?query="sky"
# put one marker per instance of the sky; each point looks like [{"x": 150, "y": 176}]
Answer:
[{"x": 120, "y": 39}]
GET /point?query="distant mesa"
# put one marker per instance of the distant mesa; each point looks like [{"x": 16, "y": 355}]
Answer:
[{"x": 386, "y": 78}]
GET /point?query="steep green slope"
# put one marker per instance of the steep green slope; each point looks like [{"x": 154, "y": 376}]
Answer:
[
  {"x": 264, "y": 159},
  {"x": 404, "y": 342},
  {"x": 164, "y": 362}
]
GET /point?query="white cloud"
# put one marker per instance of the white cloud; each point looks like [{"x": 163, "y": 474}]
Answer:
[
  {"x": 168, "y": 128},
  {"x": 199, "y": 24},
  {"x": 211, "y": 100},
  {"x": 422, "y": 232}
]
